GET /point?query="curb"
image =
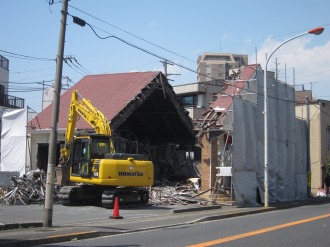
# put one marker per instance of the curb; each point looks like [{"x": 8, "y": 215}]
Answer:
[
  {"x": 19, "y": 226},
  {"x": 51, "y": 239},
  {"x": 185, "y": 210},
  {"x": 234, "y": 214}
]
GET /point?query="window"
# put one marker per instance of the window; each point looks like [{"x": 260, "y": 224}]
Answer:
[
  {"x": 99, "y": 148},
  {"x": 189, "y": 100},
  {"x": 4, "y": 63},
  {"x": 217, "y": 58}
]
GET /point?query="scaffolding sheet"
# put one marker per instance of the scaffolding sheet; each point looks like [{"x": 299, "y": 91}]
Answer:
[
  {"x": 13, "y": 140},
  {"x": 244, "y": 167},
  {"x": 287, "y": 149}
]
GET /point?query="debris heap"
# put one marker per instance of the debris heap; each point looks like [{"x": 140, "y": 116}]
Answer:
[
  {"x": 29, "y": 188},
  {"x": 177, "y": 194}
]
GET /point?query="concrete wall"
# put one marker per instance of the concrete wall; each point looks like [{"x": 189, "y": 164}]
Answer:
[
  {"x": 211, "y": 153},
  {"x": 208, "y": 65},
  {"x": 4, "y": 72},
  {"x": 209, "y": 163},
  {"x": 319, "y": 144},
  {"x": 205, "y": 92},
  {"x": 36, "y": 138}
]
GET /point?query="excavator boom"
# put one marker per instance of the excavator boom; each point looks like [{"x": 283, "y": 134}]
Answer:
[{"x": 82, "y": 107}]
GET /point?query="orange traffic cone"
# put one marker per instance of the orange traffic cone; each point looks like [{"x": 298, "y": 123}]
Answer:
[{"x": 115, "y": 214}]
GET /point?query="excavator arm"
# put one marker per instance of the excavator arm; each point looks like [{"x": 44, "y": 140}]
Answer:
[{"x": 81, "y": 107}]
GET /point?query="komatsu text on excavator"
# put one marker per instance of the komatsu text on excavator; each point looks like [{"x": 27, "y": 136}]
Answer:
[{"x": 99, "y": 173}]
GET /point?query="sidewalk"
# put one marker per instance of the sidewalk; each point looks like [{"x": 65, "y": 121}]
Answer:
[{"x": 95, "y": 222}]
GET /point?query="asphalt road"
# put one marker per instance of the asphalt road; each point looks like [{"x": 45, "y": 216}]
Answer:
[{"x": 301, "y": 226}]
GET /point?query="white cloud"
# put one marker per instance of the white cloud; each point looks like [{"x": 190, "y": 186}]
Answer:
[{"x": 310, "y": 63}]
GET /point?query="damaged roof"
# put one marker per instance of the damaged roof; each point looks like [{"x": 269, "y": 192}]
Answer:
[
  {"x": 219, "y": 110},
  {"x": 142, "y": 103},
  {"x": 224, "y": 99}
]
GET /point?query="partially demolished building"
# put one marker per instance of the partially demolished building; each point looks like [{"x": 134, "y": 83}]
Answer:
[
  {"x": 232, "y": 136},
  {"x": 144, "y": 115}
]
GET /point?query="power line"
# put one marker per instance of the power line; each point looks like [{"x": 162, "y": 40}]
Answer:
[
  {"x": 151, "y": 43},
  {"x": 20, "y": 56},
  {"x": 73, "y": 60},
  {"x": 82, "y": 23},
  {"x": 30, "y": 82},
  {"x": 30, "y": 71},
  {"x": 74, "y": 68}
]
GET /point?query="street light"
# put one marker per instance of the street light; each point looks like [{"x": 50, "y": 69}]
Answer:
[{"x": 315, "y": 31}]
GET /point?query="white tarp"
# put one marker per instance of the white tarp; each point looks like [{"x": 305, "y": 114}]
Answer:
[
  {"x": 13, "y": 140},
  {"x": 287, "y": 150}
]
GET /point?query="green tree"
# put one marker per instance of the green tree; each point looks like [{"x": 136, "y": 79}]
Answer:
[{"x": 327, "y": 165}]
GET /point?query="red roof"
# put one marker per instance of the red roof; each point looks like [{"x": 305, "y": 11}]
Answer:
[
  {"x": 224, "y": 99},
  {"x": 249, "y": 71},
  {"x": 114, "y": 90}
]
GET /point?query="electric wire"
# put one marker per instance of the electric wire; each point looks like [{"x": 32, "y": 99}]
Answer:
[
  {"x": 139, "y": 48},
  {"x": 30, "y": 71},
  {"x": 70, "y": 60},
  {"x": 99, "y": 19},
  {"x": 160, "y": 57},
  {"x": 82, "y": 66},
  {"x": 27, "y": 57},
  {"x": 73, "y": 68},
  {"x": 158, "y": 46},
  {"x": 122, "y": 40}
]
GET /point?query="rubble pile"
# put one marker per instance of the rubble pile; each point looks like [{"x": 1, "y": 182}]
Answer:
[
  {"x": 177, "y": 194},
  {"x": 29, "y": 188}
]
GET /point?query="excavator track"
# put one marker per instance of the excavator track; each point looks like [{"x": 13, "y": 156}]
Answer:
[
  {"x": 83, "y": 195},
  {"x": 128, "y": 197},
  {"x": 80, "y": 195}
]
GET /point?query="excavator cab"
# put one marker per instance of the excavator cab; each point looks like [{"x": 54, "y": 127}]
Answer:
[
  {"x": 85, "y": 150},
  {"x": 81, "y": 164}
]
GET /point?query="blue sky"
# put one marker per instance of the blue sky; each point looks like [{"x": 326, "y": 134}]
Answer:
[{"x": 178, "y": 30}]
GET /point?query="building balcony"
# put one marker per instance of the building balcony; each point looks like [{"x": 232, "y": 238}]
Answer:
[
  {"x": 11, "y": 101},
  {"x": 4, "y": 63}
]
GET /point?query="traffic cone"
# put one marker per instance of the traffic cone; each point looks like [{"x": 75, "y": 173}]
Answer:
[{"x": 115, "y": 214}]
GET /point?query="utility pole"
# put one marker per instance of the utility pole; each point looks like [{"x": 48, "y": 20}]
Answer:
[
  {"x": 276, "y": 72},
  {"x": 165, "y": 63},
  {"x": 42, "y": 96},
  {"x": 48, "y": 210},
  {"x": 308, "y": 149}
]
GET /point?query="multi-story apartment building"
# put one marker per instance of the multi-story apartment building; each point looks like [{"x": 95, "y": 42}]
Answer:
[
  {"x": 317, "y": 114},
  {"x": 212, "y": 66},
  {"x": 13, "y": 138},
  {"x": 4, "y": 77},
  {"x": 5, "y": 99},
  {"x": 196, "y": 97}
]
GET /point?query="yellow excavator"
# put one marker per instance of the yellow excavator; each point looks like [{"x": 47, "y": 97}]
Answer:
[{"x": 99, "y": 173}]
